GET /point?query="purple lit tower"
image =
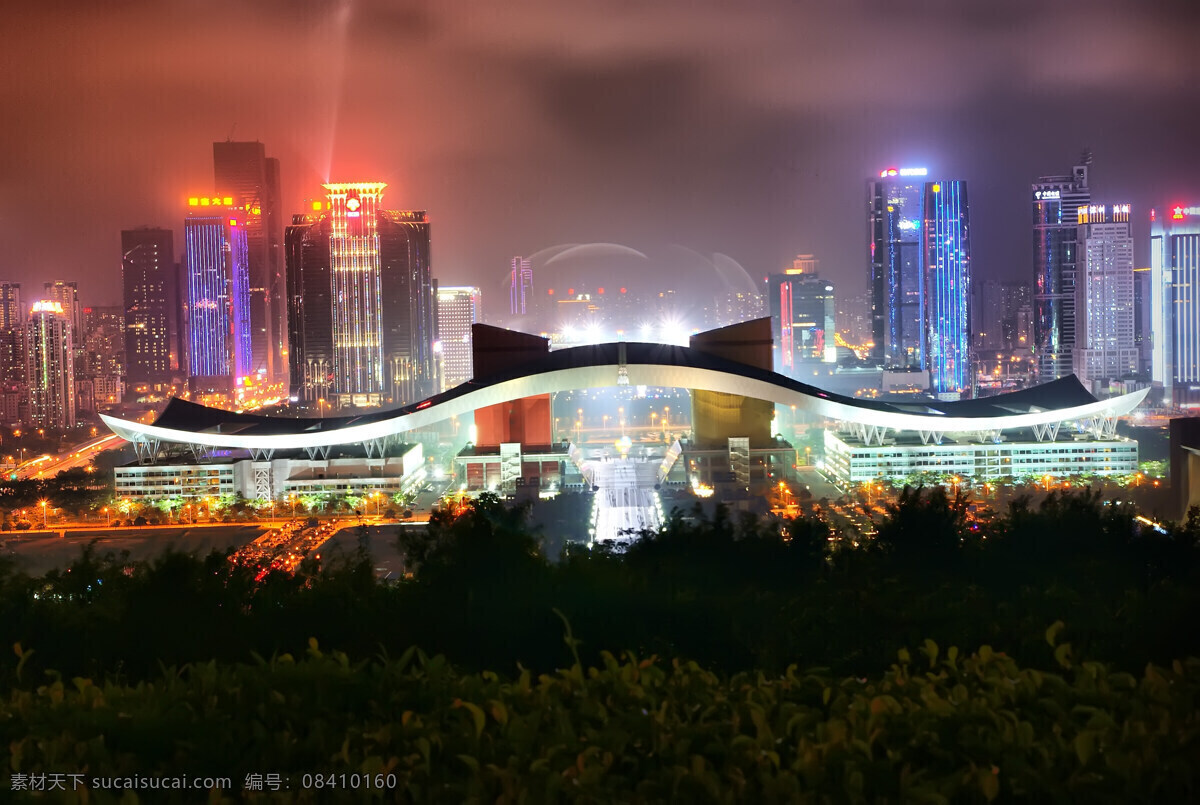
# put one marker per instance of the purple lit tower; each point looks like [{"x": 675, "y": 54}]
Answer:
[{"x": 216, "y": 267}]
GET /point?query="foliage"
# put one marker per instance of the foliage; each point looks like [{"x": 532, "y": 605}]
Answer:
[{"x": 932, "y": 727}]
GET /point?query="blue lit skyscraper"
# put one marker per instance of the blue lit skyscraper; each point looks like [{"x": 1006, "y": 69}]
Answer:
[
  {"x": 216, "y": 264},
  {"x": 946, "y": 249}
]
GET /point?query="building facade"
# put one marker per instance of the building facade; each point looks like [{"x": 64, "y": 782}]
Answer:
[
  {"x": 520, "y": 283},
  {"x": 1175, "y": 303},
  {"x": 216, "y": 261},
  {"x": 946, "y": 251},
  {"x": 458, "y": 307},
  {"x": 243, "y": 171},
  {"x": 1018, "y": 458},
  {"x": 49, "y": 349},
  {"x": 1105, "y": 301},
  {"x": 1056, "y": 201},
  {"x": 897, "y": 281},
  {"x": 362, "y": 309},
  {"x": 803, "y": 316},
  {"x": 153, "y": 306}
]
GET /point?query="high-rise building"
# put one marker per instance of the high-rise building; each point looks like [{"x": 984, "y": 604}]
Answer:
[
  {"x": 362, "y": 308},
  {"x": 1104, "y": 307},
  {"x": 1142, "y": 297},
  {"x": 1056, "y": 200},
  {"x": 802, "y": 308},
  {"x": 946, "y": 253},
  {"x": 49, "y": 366},
  {"x": 218, "y": 295},
  {"x": 244, "y": 171},
  {"x": 104, "y": 354},
  {"x": 153, "y": 304},
  {"x": 1175, "y": 303},
  {"x": 1005, "y": 310},
  {"x": 521, "y": 287},
  {"x": 897, "y": 281},
  {"x": 457, "y": 309},
  {"x": 67, "y": 294},
  {"x": 12, "y": 314}
]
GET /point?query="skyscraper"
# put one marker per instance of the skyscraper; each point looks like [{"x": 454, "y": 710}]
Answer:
[
  {"x": 244, "y": 171},
  {"x": 362, "y": 311},
  {"x": 1175, "y": 303},
  {"x": 11, "y": 313},
  {"x": 921, "y": 276},
  {"x": 150, "y": 278},
  {"x": 49, "y": 362},
  {"x": 457, "y": 309},
  {"x": 218, "y": 293},
  {"x": 67, "y": 294},
  {"x": 521, "y": 287},
  {"x": 897, "y": 281},
  {"x": 802, "y": 309},
  {"x": 946, "y": 251},
  {"x": 1106, "y": 348},
  {"x": 1056, "y": 200}
]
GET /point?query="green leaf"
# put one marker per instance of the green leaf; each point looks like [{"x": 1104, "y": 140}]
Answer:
[
  {"x": 1052, "y": 632},
  {"x": 930, "y": 650},
  {"x": 904, "y": 656},
  {"x": 476, "y": 715},
  {"x": 989, "y": 783},
  {"x": 1062, "y": 655},
  {"x": 1085, "y": 746},
  {"x": 470, "y": 762}
]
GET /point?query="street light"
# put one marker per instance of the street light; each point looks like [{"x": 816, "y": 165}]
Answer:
[{"x": 45, "y": 522}]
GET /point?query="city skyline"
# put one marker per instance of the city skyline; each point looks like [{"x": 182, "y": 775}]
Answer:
[{"x": 635, "y": 139}]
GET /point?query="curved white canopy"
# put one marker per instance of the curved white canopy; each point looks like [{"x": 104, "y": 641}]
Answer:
[{"x": 607, "y": 375}]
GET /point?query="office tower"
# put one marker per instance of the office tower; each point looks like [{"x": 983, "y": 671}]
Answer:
[
  {"x": 729, "y": 308},
  {"x": 244, "y": 171},
  {"x": 521, "y": 287},
  {"x": 457, "y": 309},
  {"x": 1106, "y": 349},
  {"x": 1005, "y": 310},
  {"x": 1142, "y": 295},
  {"x": 49, "y": 366},
  {"x": 854, "y": 320},
  {"x": 104, "y": 354},
  {"x": 218, "y": 290},
  {"x": 897, "y": 279},
  {"x": 946, "y": 253},
  {"x": 1175, "y": 303},
  {"x": 1056, "y": 200},
  {"x": 802, "y": 308},
  {"x": 12, "y": 315},
  {"x": 67, "y": 294},
  {"x": 153, "y": 306},
  {"x": 361, "y": 306}
]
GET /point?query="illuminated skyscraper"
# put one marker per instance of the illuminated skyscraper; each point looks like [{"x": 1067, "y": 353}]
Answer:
[
  {"x": 946, "y": 251},
  {"x": 361, "y": 311},
  {"x": 897, "y": 279},
  {"x": 153, "y": 304},
  {"x": 802, "y": 308},
  {"x": 244, "y": 171},
  {"x": 521, "y": 287},
  {"x": 1106, "y": 348},
  {"x": 49, "y": 353},
  {"x": 1175, "y": 303},
  {"x": 1056, "y": 200},
  {"x": 12, "y": 315},
  {"x": 218, "y": 295},
  {"x": 457, "y": 309},
  {"x": 12, "y": 337}
]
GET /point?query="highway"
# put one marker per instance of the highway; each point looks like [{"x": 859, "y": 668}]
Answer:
[{"x": 47, "y": 466}]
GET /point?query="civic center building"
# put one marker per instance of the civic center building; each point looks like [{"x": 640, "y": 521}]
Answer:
[{"x": 1057, "y": 428}]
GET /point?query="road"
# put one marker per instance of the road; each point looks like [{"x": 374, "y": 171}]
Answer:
[{"x": 47, "y": 466}]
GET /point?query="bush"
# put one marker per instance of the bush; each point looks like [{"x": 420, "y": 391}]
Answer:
[{"x": 932, "y": 727}]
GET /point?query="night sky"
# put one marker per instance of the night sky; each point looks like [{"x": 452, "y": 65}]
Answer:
[{"x": 747, "y": 129}]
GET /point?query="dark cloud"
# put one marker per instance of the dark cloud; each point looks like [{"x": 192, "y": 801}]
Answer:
[{"x": 747, "y": 129}]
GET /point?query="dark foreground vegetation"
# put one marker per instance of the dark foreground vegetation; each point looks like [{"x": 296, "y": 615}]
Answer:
[{"x": 751, "y": 661}]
